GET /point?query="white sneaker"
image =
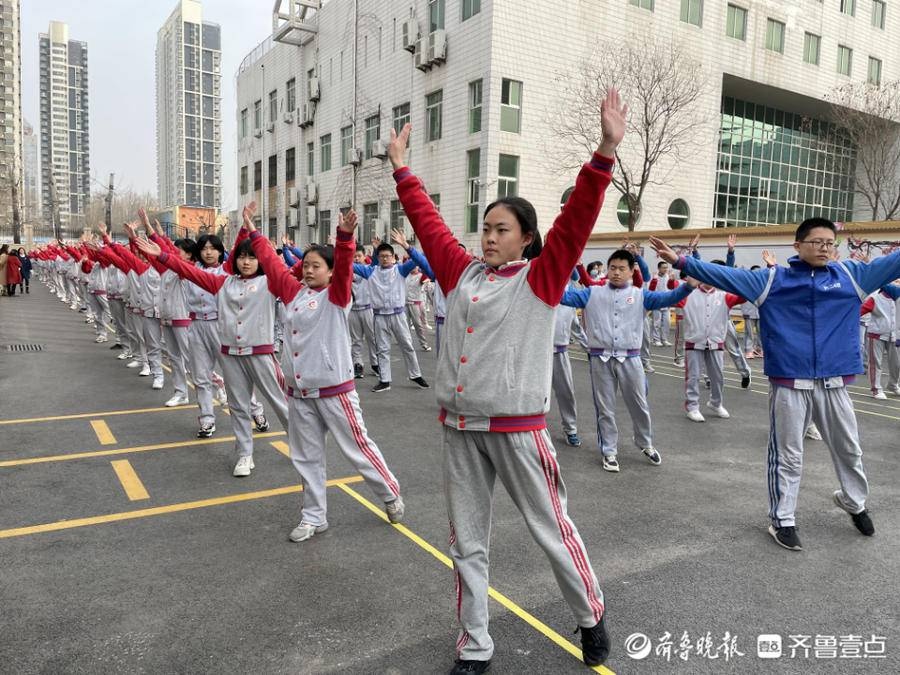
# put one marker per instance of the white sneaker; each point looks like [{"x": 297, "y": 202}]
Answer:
[
  {"x": 679, "y": 363},
  {"x": 134, "y": 363},
  {"x": 611, "y": 463},
  {"x": 123, "y": 356},
  {"x": 101, "y": 338},
  {"x": 158, "y": 382},
  {"x": 652, "y": 456},
  {"x": 145, "y": 371},
  {"x": 879, "y": 396},
  {"x": 244, "y": 466},
  {"x": 394, "y": 510},
  {"x": 666, "y": 343},
  {"x": 894, "y": 390},
  {"x": 812, "y": 432},
  {"x": 305, "y": 531},
  {"x": 695, "y": 416},
  {"x": 719, "y": 410},
  {"x": 222, "y": 395},
  {"x": 177, "y": 399},
  {"x": 657, "y": 344}
]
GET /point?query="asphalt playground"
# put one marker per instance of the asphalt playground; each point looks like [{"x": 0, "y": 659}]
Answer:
[{"x": 126, "y": 546}]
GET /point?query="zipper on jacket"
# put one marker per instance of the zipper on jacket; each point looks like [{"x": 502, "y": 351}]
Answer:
[{"x": 812, "y": 294}]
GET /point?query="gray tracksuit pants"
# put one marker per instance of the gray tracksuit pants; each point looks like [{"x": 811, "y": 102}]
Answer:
[
  {"x": 414, "y": 317},
  {"x": 394, "y": 325},
  {"x": 136, "y": 321},
  {"x": 526, "y": 464},
  {"x": 309, "y": 420},
  {"x": 751, "y": 335},
  {"x": 696, "y": 362},
  {"x": 99, "y": 309},
  {"x": 564, "y": 391},
  {"x": 878, "y": 351},
  {"x": 242, "y": 374},
  {"x": 123, "y": 330},
  {"x": 153, "y": 344},
  {"x": 177, "y": 339},
  {"x": 790, "y": 413},
  {"x": 628, "y": 377},
  {"x": 661, "y": 324},
  {"x": 679, "y": 338},
  {"x": 733, "y": 347},
  {"x": 893, "y": 365},
  {"x": 646, "y": 354},
  {"x": 362, "y": 330}
]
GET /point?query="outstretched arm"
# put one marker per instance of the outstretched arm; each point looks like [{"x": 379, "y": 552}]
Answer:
[
  {"x": 660, "y": 299},
  {"x": 873, "y": 275},
  {"x": 576, "y": 297},
  {"x": 209, "y": 282},
  {"x": 279, "y": 279},
  {"x": 341, "y": 290}
]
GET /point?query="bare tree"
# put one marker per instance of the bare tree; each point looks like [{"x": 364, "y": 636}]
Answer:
[
  {"x": 662, "y": 85},
  {"x": 869, "y": 115}
]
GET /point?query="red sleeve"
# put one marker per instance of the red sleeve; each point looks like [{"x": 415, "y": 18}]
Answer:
[
  {"x": 209, "y": 282},
  {"x": 441, "y": 248},
  {"x": 867, "y": 306},
  {"x": 566, "y": 240},
  {"x": 131, "y": 259},
  {"x": 228, "y": 265},
  {"x": 731, "y": 299},
  {"x": 585, "y": 279},
  {"x": 281, "y": 282},
  {"x": 672, "y": 284},
  {"x": 342, "y": 280},
  {"x": 637, "y": 278},
  {"x": 163, "y": 242},
  {"x": 86, "y": 266},
  {"x": 680, "y": 304},
  {"x": 654, "y": 282}
]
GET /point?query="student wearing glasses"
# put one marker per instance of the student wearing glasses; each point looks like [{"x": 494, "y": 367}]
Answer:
[{"x": 808, "y": 314}]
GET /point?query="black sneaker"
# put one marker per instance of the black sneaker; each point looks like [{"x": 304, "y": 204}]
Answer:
[
  {"x": 420, "y": 381},
  {"x": 262, "y": 424},
  {"x": 786, "y": 537},
  {"x": 595, "y": 643},
  {"x": 376, "y": 370},
  {"x": 381, "y": 386},
  {"x": 358, "y": 371},
  {"x": 206, "y": 431},
  {"x": 745, "y": 382},
  {"x": 861, "y": 520},
  {"x": 461, "y": 666}
]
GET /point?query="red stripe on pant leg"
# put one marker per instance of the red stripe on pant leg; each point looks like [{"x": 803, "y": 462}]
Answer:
[
  {"x": 572, "y": 545},
  {"x": 361, "y": 443},
  {"x": 279, "y": 375},
  {"x": 872, "y": 363}
]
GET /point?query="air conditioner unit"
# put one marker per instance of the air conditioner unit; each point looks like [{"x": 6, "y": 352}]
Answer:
[
  {"x": 410, "y": 33},
  {"x": 311, "y": 215},
  {"x": 311, "y": 193},
  {"x": 379, "y": 149},
  {"x": 356, "y": 156},
  {"x": 421, "y": 58},
  {"x": 308, "y": 114},
  {"x": 271, "y": 127},
  {"x": 314, "y": 92},
  {"x": 289, "y": 117},
  {"x": 257, "y": 133},
  {"x": 437, "y": 46},
  {"x": 291, "y": 198}
]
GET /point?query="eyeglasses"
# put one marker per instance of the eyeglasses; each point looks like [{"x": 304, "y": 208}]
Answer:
[{"x": 820, "y": 243}]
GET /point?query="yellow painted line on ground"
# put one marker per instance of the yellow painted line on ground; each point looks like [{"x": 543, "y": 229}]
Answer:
[
  {"x": 104, "y": 435},
  {"x": 127, "y": 451},
  {"x": 162, "y": 510},
  {"x": 281, "y": 447},
  {"x": 528, "y": 618},
  {"x": 81, "y": 416},
  {"x": 132, "y": 485}
]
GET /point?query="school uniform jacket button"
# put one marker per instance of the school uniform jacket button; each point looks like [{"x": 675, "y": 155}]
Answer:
[
  {"x": 475, "y": 298},
  {"x": 459, "y": 388},
  {"x": 461, "y": 418},
  {"x": 462, "y": 425},
  {"x": 470, "y": 329},
  {"x": 296, "y": 355},
  {"x": 463, "y": 359}
]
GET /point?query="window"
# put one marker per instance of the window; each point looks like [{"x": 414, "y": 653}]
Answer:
[
  {"x": 848, "y": 7},
  {"x": 290, "y": 95},
  {"x": 310, "y": 159},
  {"x": 257, "y": 175},
  {"x": 775, "y": 36},
  {"x": 565, "y": 196},
  {"x": 643, "y": 4},
  {"x": 400, "y": 117},
  {"x": 273, "y": 170},
  {"x": 475, "y": 91},
  {"x": 244, "y": 117},
  {"x": 435, "y": 15},
  {"x": 692, "y": 12},
  {"x": 273, "y": 105},
  {"x": 622, "y": 211},
  {"x": 508, "y": 176},
  {"x": 244, "y": 180},
  {"x": 879, "y": 8},
  {"x": 325, "y": 153},
  {"x": 370, "y": 215},
  {"x": 257, "y": 115},
  {"x": 324, "y": 226},
  {"x": 679, "y": 214},
  {"x": 511, "y": 106},
  {"x": 346, "y": 144},
  {"x": 874, "y": 76},
  {"x": 433, "y": 109},
  {"x": 844, "y": 60},
  {"x": 473, "y": 187},
  {"x": 436, "y": 200},
  {"x": 811, "y": 47},
  {"x": 373, "y": 133},
  {"x": 470, "y": 8},
  {"x": 397, "y": 215},
  {"x": 290, "y": 165},
  {"x": 736, "y": 22}
]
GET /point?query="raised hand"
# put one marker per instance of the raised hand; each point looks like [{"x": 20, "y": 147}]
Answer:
[
  {"x": 376, "y": 241},
  {"x": 158, "y": 227},
  {"x": 101, "y": 227},
  {"x": 249, "y": 212},
  {"x": 285, "y": 241},
  {"x": 129, "y": 229},
  {"x": 397, "y": 146},
  {"x": 348, "y": 223},
  {"x": 149, "y": 248},
  {"x": 663, "y": 250},
  {"x": 613, "y": 120},
  {"x": 732, "y": 240},
  {"x": 145, "y": 219},
  {"x": 695, "y": 242},
  {"x": 769, "y": 258},
  {"x": 399, "y": 238}
]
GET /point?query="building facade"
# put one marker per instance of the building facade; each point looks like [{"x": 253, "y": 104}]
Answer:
[
  {"x": 65, "y": 139},
  {"x": 477, "y": 79},
  {"x": 188, "y": 109},
  {"x": 31, "y": 169},
  {"x": 10, "y": 114}
]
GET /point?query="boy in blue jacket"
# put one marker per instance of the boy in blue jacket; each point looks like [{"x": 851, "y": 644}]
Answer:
[{"x": 808, "y": 314}]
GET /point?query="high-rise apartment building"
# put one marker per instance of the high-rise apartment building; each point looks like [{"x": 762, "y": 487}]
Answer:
[
  {"x": 65, "y": 143},
  {"x": 188, "y": 109},
  {"x": 31, "y": 169},
  {"x": 10, "y": 113}
]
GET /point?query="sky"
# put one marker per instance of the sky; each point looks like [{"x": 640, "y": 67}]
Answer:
[{"x": 121, "y": 37}]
